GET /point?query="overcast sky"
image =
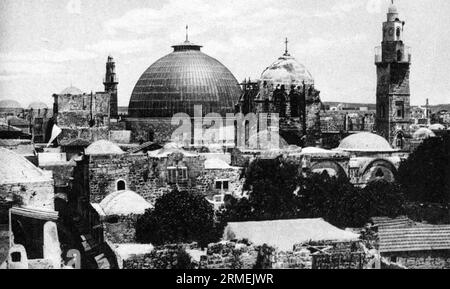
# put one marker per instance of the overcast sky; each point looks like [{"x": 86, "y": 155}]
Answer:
[{"x": 47, "y": 45}]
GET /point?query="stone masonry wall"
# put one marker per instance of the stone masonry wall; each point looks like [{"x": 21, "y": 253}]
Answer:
[
  {"x": 121, "y": 232},
  {"x": 33, "y": 194},
  {"x": 206, "y": 181},
  {"x": 422, "y": 259}
]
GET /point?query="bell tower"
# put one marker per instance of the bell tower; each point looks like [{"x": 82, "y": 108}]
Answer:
[
  {"x": 111, "y": 83},
  {"x": 393, "y": 60}
]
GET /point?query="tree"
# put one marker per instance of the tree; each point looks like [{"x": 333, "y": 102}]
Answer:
[
  {"x": 272, "y": 183},
  {"x": 425, "y": 175},
  {"x": 179, "y": 217}
]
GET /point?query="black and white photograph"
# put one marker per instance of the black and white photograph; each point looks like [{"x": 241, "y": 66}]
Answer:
[{"x": 205, "y": 137}]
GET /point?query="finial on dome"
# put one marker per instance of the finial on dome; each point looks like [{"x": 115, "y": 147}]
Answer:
[
  {"x": 187, "y": 33},
  {"x": 286, "y": 53}
]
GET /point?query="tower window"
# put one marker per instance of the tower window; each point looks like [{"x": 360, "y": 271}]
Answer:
[
  {"x": 398, "y": 33},
  {"x": 400, "y": 109}
]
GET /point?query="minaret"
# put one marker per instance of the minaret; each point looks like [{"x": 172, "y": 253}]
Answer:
[
  {"x": 393, "y": 60},
  {"x": 111, "y": 83}
]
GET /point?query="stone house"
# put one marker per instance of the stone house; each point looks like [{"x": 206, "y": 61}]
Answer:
[
  {"x": 413, "y": 245},
  {"x": 118, "y": 213}
]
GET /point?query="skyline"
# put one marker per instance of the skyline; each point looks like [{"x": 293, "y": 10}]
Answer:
[{"x": 335, "y": 40}]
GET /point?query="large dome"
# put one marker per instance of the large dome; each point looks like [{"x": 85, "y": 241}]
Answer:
[
  {"x": 365, "y": 142},
  {"x": 181, "y": 79},
  {"x": 286, "y": 71}
]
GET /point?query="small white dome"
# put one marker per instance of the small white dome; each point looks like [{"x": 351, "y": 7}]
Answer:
[
  {"x": 124, "y": 203},
  {"x": 423, "y": 133},
  {"x": 365, "y": 142},
  {"x": 437, "y": 126},
  {"x": 103, "y": 147},
  {"x": 72, "y": 91}
]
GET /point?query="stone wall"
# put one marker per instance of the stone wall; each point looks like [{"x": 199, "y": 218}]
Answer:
[
  {"x": 32, "y": 194},
  {"x": 206, "y": 181},
  {"x": 244, "y": 255},
  {"x": 105, "y": 171},
  {"x": 150, "y": 129},
  {"x": 421, "y": 259},
  {"x": 120, "y": 231},
  {"x": 163, "y": 257},
  {"x": 91, "y": 134}
]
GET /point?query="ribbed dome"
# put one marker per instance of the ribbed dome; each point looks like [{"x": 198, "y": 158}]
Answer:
[
  {"x": 72, "y": 91},
  {"x": 286, "y": 71},
  {"x": 185, "y": 77},
  {"x": 9, "y": 103},
  {"x": 365, "y": 142}
]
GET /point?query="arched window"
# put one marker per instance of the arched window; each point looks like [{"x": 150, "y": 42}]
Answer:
[
  {"x": 121, "y": 185},
  {"x": 400, "y": 141},
  {"x": 398, "y": 33}
]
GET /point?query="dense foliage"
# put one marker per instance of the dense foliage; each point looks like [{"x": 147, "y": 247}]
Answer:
[
  {"x": 425, "y": 175},
  {"x": 279, "y": 192},
  {"x": 179, "y": 217}
]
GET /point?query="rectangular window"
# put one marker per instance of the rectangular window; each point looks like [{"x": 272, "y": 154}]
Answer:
[
  {"x": 177, "y": 175},
  {"x": 222, "y": 185}
]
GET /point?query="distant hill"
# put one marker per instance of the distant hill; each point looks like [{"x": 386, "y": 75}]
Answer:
[
  {"x": 356, "y": 106},
  {"x": 440, "y": 107}
]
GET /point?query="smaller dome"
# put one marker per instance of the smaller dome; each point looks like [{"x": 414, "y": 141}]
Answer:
[
  {"x": 423, "y": 133},
  {"x": 72, "y": 91},
  {"x": 9, "y": 103},
  {"x": 103, "y": 147},
  {"x": 436, "y": 126},
  {"x": 365, "y": 142},
  {"x": 37, "y": 105},
  {"x": 124, "y": 203}
]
